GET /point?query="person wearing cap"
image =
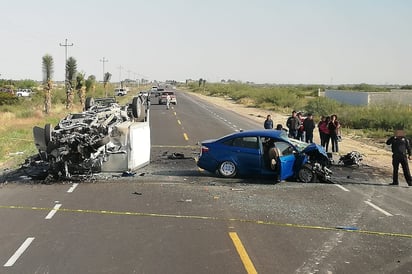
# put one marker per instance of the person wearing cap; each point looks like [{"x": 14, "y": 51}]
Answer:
[{"x": 401, "y": 153}]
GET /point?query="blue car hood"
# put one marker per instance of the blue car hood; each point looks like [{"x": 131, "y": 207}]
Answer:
[{"x": 315, "y": 149}]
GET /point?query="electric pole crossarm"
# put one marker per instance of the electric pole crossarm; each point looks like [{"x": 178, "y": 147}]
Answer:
[{"x": 65, "y": 45}]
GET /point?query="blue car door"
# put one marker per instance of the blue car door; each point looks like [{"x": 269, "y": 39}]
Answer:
[
  {"x": 287, "y": 163},
  {"x": 287, "y": 160},
  {"x": 247, "y": 155}
]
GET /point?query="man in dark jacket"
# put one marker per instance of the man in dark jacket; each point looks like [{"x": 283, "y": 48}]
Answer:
[
  {"x": 401, "y": 153},
  {"x": 309, "y": 125},
  {"x": 293, "y": 123}
]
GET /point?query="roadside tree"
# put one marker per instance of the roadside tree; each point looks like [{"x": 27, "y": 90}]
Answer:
[
  {"x": 71, "y": 69},
  {"x": 48, "y": 69}
]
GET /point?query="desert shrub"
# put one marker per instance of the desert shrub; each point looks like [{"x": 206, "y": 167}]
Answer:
[
  {"x": 8, "y": 99},
  {"x": 323, "y": 106}
]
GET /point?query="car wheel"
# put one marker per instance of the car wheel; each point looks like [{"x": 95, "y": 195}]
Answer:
[
  {"x": 306, "y": 174},
  {"x": 48, "y": 133},
  {"x": 227, "y": 169},
  {"x": 89, "y": 103}
]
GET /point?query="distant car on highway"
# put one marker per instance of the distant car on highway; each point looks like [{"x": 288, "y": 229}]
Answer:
[
  {"x": 248, "y": 154},
  {"x": 24, "y": 92},
  {"x": 158, "y": 91},
  {"x": 163, "y": 98}
]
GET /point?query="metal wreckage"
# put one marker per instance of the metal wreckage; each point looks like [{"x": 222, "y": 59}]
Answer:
[{"x": 106, "y": 137}]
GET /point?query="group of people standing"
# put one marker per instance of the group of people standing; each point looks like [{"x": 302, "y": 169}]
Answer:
[
  {"x": 329, "y": 131},
  {"x": 302, "y": 128}
]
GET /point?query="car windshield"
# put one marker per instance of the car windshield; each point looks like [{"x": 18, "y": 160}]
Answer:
[{"x": 298, "y": 144}]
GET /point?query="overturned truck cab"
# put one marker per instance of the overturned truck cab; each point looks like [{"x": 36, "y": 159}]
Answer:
[{"x": 106, "y": 137}]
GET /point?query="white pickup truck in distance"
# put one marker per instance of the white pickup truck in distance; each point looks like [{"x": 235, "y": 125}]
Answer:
[
  {"x": 24, "y": 92},
  {"x": 120, "y": 91}
]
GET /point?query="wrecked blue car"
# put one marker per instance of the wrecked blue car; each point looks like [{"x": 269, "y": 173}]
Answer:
[{"x": 270, "y": 153}]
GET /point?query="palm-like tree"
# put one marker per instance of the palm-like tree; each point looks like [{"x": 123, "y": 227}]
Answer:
[
  {"x": 81, "y": 88},
  {"x": 106, "y": 80},
  {"x": 90, "y": 84},
  {"x": 48, "y": 69},
  {"x": 71, "y": 69}
]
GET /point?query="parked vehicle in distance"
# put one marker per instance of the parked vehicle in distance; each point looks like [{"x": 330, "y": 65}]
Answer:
[
  {"x": 158, "y": 91},
  {"x": 120, "y": 91},
  {"x": 247, "y": 154},
  {"x": 24, "y": 92},
  {"x": 163, "y": 97}
]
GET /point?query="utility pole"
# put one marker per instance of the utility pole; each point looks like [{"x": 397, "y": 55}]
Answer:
[
  {"x": 65, "y": 45},
  {"x": 120, "y": 75},
  {"x": 104, "y": 60}
]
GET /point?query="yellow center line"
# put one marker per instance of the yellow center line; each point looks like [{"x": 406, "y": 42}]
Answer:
[
  {"x": 195, "y": 217},
  {"x": 247, "y": 263},
  {"x": 186, "y": 137},
  {"x": 171, "y": 146}
]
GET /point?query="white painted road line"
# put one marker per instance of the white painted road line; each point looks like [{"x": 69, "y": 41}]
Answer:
[
  {"x": 18, "y": 252},
  {"x": 378, "y": 208},
  {"x": 53, "y": 211},
  {"x": 343, "y": 188},
  {"x": 73, "y": 188}
]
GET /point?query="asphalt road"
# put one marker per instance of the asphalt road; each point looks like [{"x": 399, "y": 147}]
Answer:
[{"x": 174, "y": 218}]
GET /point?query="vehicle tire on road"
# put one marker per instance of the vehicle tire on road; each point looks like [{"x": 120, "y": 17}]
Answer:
[
  {"x": 89, "y": 103},
  {"x": 138, "y": 109},
  {"x": 48, "y": 133},
  {"x": 227, "y": 169},
  {"x": 306, "y": 174}
]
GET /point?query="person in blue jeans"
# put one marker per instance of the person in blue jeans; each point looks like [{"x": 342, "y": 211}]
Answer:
[
  {"x": 293, "y": 124},
  {"x": 334, "y": 127}
]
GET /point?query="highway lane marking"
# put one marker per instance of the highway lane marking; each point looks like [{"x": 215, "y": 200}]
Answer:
[
  {"x": 195, "y": 217},
  {"x": 378, "y": 208},
  {"x": 19, "y": 252},
  {"x": 178, "y": 121},
  {"x": 341, "y": 187},
  {"x": 73, "y": 187},
  {"x": 53, "y": 211},
  {"x": 185, "y": 136},
  {"x": 244, "y": 257}
]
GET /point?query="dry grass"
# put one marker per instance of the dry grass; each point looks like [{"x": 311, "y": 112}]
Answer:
[{"x": 16, "y": 134}]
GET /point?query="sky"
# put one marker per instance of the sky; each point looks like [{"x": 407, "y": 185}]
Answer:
[{"x": 261, "y": 41}]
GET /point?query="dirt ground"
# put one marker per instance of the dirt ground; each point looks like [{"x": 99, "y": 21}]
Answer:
[{"x": 374, "y": 154}]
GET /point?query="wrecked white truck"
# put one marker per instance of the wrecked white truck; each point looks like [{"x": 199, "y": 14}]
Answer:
[{"x": 106, "y": 137}]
